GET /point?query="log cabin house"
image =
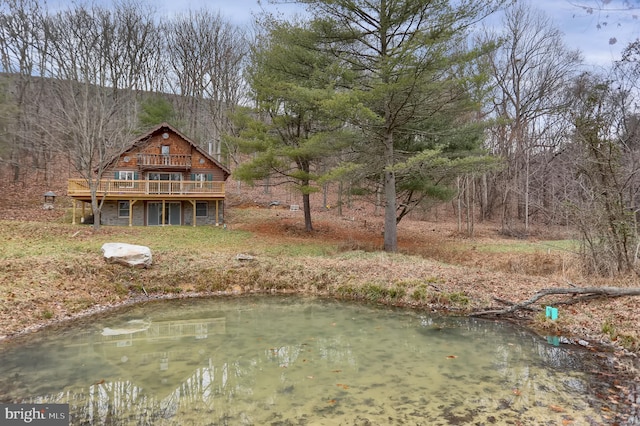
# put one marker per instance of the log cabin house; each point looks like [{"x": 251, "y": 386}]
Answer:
[{"x": 163, "y": 178}]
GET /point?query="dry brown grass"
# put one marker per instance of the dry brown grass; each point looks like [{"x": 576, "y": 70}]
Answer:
[{"x": 60, "y": 272}]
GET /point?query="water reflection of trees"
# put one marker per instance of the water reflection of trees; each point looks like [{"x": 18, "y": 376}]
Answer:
[{"x": 156, "y": 377}]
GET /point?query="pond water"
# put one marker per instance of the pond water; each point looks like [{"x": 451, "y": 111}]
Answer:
[{"x": 295, "y": 361}]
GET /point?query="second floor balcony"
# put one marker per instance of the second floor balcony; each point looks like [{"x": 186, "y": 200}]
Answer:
[{"x": 164, "y": 161}]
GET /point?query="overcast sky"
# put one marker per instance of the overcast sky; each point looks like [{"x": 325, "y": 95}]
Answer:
[
  {"x": 601, "y": 36},
  {"x": 580, "y": 28}
]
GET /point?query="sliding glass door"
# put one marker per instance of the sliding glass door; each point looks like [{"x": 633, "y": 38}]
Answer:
[{"x": 172, "y": 213}]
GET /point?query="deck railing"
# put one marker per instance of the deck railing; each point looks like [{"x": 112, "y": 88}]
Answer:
[
  {"x": 167, "y": 160},
  {"x": 111, "y": 187}
]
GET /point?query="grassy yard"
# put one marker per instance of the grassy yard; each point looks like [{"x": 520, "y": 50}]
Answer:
[{"x": 55, "y": 271}]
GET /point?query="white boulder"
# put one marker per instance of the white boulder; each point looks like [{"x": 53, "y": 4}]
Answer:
[{"x": 127, "y": 254}]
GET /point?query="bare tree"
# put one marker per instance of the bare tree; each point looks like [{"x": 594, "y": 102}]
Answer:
[
  {"x": 226, "y": 85},
  {"x": 628, "y": 68},
  {"x": 530, "y": 70},
  {"x": 607, "y": 172},
  {"x": 96, "y": 58},
  {"x": 206, "y": 57},
  {"x": 134, "y": 54},
  {"x": 21, "y": 48}
]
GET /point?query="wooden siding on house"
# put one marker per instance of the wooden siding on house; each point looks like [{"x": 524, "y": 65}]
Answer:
[{"x": 182, "y": 155}]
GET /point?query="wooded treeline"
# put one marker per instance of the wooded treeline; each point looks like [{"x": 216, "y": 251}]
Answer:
[
  {"x": 89, "y": 77},
  {"x": 400, "y": 104}
]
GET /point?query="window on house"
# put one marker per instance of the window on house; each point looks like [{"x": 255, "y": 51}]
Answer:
[
  {"x": 128, "y": 176},
  {"x": 199, "y": 178},
  {"x": 123, "y": 209},
  {"x": 169, "y": 183},
  {"x": 202, "y": 208},
  {"x": 164, "y": 150}
]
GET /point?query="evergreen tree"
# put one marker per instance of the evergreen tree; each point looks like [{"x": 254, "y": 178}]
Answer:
[
  {"x": 155, "y": 110},
  {"x": 293, "y": 127},
  {"x": 405, "y": 56}
]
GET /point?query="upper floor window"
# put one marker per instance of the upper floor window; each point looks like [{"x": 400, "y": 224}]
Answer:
[
  {"x": 125, "y": 175},
  {"x": 199, "y": 178},
  {"x": 164, "y": 150}
]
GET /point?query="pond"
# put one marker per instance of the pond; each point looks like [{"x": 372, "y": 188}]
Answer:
[{"x": 296, "y": 361}]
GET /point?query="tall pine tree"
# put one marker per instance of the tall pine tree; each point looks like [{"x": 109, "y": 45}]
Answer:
[
  {"x": 293, "y": 129},
  {"x": 405, "y": 56}
]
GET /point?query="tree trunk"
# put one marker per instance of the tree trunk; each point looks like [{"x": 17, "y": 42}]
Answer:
[
  {"x": 306, "y": 206},
  {"x": 485, "y": 198},
  {"x": 459, "y": 203},
  {"x": 340, "y": 189},
  {"x": 390, "y": 223},
  {"x": 95, "y": 207}
]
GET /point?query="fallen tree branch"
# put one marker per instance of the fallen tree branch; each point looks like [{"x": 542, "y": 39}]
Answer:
[
  {"x": 585, "y": 294},
  {"x": 510, "y": 303}
]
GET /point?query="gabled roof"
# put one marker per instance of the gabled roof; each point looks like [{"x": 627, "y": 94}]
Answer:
[{"x": 142, "y": 139}]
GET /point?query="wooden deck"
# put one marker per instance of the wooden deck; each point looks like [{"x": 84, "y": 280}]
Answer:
[{"x": 147, "y": 189}]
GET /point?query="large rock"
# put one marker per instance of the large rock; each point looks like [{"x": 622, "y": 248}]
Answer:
[{"x": 127, "y": 254}]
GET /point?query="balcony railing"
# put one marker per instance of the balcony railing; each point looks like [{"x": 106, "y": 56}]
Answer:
[
  {"x": 115, "y": 188},
  {"x": 164, "y": 161}
]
